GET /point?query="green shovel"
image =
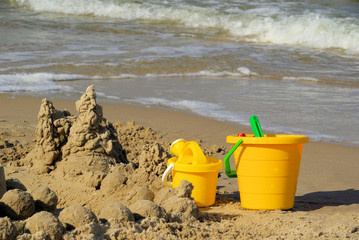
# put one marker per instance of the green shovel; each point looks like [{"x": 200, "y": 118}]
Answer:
[
  {"x": 257, "y": 130},
  {"x": 256, "y": 126}
]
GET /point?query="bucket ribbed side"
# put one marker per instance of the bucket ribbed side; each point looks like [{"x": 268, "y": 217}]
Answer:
[{"x": 267, "y": 175}]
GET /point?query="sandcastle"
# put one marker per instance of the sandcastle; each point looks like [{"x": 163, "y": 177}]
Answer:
[
  {"x": 86, "y": 137},
  {"x": 85, "y": 150}
]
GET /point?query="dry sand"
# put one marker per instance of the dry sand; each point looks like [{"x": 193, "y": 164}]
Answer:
[{"x": 90, "y": 179}]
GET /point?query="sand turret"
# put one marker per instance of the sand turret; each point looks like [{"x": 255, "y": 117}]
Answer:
[
  {"x": 90, "y": 132},
  {"x": 51, "y": 134}
]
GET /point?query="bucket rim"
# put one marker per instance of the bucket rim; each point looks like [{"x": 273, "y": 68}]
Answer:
[
  {"x": 269, "y": 139},
  {"x": 215, "y": 165}
]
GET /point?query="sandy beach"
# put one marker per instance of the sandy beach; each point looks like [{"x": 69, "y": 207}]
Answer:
[{"x": 326, "y": 203}]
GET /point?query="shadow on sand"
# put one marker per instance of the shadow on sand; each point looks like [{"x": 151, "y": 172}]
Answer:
[
  {"x": 317, "y": 200},
  {"x": 308, "y": 202}
]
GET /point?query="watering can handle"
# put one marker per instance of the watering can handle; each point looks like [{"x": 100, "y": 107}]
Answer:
[
  {"x": 165, "y": 175},
  {"x": 231, "y": 173}
]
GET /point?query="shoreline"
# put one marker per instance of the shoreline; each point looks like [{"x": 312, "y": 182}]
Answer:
[
  {"x": 319, "y": 164},
  {"x": 139, "y": 112}
]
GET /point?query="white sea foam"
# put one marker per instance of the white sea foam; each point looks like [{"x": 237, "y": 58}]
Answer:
[
  {"x": 259, "y": 24},
  {"x": 208, "y": 73},
  {"x": 219, "y": 112},
  {"x": 305, "y": 79},
  {"x": 38, "y": 82},
  {"x": 246, "y": 71},
  {"x": 241, "y": 72},
  {"x": 35, "y": 82},
  {"x": 206, "y": 109}
]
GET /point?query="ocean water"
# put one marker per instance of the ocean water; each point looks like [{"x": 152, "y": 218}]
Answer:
[{"x": 294, "y": 64}]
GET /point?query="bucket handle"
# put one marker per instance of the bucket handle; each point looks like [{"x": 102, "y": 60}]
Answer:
[
  {"x": 165, "y": 176},
  {"x": 230, "y": 173}
]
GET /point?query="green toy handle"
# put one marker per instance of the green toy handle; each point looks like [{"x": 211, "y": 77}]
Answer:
[
  {"x": 231, "y": 173},
  {"x": 256, "y": 126}
]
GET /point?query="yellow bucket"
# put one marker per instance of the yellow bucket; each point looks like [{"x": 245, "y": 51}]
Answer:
[
  {"x": 267, "y": 170},
  {"x": 192, "y": 165}
]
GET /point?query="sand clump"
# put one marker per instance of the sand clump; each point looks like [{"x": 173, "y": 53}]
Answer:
[
  {"x": 45, "y": 198},
  {"x": 113, "y": 182},
  {"x": 7, "y": 229},
  {"x": 75, "y": 216},
  {"x": 116, "y": 214},
  {"x": 11, "y": 150},
  {"x": 178, "y": 202},
  {"x": 139, "y": 193},
  {"x": 17, "y": 204},
  {"x": 46, "y": 222},
  {"x": 133, "y": 137},
  {"x": 151, "y": 165},
  {"x": 145, "y": 208}
]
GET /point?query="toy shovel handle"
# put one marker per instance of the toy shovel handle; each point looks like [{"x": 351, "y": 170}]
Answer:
[
  {"x": 256, "y": 126},
  {"x": 231, "y": 173},
  {"x": 165, "y": 175}
]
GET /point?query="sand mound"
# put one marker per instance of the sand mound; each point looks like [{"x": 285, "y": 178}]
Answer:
[
  {"x": 116, "y": 214},
  {"x": 46, "y": 222},
  {"x": 145, "y": 208},
  {"x": 76, "y": 216},
  {"x": 45, "y": 198},
  {"x": 178, "y": 202},
  {"x": 17, "y": 204},
  {"x": 152, "y": 164},
  {"x": 133, "y": 137},
  {"x": 11, "y": 151},
  {"x": 7, "y": 229},
  {"x": 113, "y": 182},
  {"x": 139, "y": 193}
]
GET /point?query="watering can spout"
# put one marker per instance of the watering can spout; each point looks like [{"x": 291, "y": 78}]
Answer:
[{"x": 177, "y": 146}]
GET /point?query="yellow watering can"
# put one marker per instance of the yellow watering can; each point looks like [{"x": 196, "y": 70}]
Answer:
[{"x": 192, "y": 165}]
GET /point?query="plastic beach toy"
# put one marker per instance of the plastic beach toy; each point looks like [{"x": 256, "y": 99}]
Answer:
[
  {"x": 227, "y": 166},
  {"x": 257, "y": 130},
  {"x": 267, "y": 169},
  {"x": 192, "y": 165},
  {"x": 256, "y": 126}
]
